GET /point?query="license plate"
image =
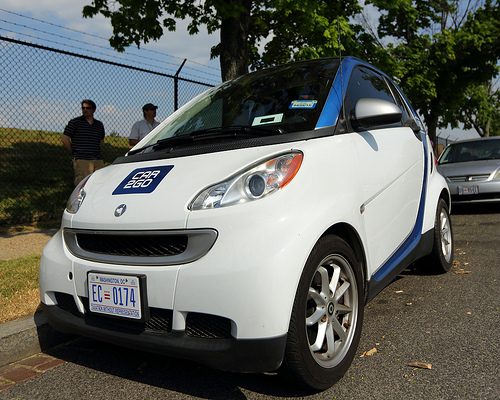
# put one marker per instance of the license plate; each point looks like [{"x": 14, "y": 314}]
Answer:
[
  {"x": 465, "y": 190},
  {"x": 115, "y": 295}
]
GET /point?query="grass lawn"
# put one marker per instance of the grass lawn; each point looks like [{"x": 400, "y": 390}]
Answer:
[
  {"x": 36, "y": 174},
  {"x": 19, "y": 294}
]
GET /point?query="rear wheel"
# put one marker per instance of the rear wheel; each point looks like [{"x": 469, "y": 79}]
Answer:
[
  {"x": 441, "y": 258},
  {"x": 327, "y": 316}
]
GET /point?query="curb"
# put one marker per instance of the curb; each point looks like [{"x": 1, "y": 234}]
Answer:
[{"x": 26, "y": 336}]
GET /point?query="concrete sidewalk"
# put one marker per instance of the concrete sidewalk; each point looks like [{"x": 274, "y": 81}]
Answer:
[{"x": 26, "y": 336}]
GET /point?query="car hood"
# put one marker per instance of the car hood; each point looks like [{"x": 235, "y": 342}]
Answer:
[
  {"x": 162, "y": 202},
  {"x": 480, "y": 167}
]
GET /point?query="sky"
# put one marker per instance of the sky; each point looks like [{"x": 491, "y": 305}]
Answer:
[{"x": 59, "y": 24}]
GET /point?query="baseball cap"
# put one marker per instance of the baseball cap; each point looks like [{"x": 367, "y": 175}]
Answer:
[{"x": 149, "y": 106}]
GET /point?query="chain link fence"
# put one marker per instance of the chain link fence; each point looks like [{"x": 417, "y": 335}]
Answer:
[{"x": 41, "y": 90}]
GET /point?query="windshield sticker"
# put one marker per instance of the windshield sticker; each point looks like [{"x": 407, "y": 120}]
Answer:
[
  {"x": 267, "y": 119},
  {"x": 143, "y": 180},
  {"x": 303, "y": 104}
]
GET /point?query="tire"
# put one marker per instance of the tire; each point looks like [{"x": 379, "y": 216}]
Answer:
[
  {"x": 440, "y": 260},
  {"x": 325, "y": 325}
]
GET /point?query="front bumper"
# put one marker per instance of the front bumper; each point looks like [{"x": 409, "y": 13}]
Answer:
[
  {"x": 230, "y": 354},
  {"x": 489, "y": 192}
]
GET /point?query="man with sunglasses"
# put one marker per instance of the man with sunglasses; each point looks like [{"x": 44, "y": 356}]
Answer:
[{"x": 83, "y": 138}]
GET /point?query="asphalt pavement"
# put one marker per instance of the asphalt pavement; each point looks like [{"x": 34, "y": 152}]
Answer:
[{"x": 448, "y": 323}]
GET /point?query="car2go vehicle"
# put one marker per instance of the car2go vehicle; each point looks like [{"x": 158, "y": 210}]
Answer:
[{"x": 250, "y": 228}]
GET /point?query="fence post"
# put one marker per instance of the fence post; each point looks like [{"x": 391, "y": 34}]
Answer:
[{"x": 176, "y": 88}]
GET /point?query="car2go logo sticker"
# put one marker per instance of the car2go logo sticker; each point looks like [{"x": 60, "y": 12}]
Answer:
[{"x": 143, "y": 180}]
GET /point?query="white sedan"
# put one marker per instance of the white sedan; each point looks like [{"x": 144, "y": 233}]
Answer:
[{"x": 249, "y": 229}]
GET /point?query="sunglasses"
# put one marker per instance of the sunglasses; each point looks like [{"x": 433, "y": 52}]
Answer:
[{"x": 86, "y": 108}]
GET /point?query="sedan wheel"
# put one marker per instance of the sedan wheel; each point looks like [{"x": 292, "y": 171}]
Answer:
[{"x": 327, "y": 316}]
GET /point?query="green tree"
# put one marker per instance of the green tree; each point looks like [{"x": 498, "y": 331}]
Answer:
[
  {"x": 479, "y": 110},
  {"x": 293, "y": 29},
  {"x": 440, "y": 51}
]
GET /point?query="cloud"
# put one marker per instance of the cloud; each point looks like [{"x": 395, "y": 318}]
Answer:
[{"x": 69, "y": 15}]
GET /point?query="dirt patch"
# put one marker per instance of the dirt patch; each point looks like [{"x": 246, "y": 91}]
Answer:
[{"x": 23, "y": 244}]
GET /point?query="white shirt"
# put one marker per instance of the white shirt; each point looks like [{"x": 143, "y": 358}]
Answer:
[{"x": 142, "y": 128}]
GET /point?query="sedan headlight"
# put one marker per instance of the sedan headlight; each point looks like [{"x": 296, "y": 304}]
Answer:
[
  {"x": 255, "y": 183},
  {"x": 76, "y": 199}
]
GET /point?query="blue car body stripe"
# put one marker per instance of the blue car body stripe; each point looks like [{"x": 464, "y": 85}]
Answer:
[{"x": 412, "y": 240}]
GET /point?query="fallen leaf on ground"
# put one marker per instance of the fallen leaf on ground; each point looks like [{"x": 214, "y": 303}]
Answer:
[
  {"x": 422, "y": 365},
  {"x": 371, "y": 352},
  {"x": 461, "y": 271}
]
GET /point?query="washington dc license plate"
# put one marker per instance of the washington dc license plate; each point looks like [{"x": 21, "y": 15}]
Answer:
[{"x": 116, "y": 295}]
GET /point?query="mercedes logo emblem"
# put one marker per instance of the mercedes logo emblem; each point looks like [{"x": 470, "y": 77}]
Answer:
[{"x": 120, "y": 210}]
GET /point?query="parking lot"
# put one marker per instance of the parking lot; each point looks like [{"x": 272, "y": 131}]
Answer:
[{"x": 449, "y": 323}]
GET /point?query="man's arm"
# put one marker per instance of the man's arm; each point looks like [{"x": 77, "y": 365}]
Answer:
[{"x": 67, "y": 142}]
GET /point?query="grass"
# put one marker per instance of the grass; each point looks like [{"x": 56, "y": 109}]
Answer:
[
  {"x": 36, "y": 174},
  {"x": 19, "y": 294}
]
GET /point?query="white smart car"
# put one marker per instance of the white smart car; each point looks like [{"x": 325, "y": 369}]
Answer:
[{"x": 250, "y": 228}]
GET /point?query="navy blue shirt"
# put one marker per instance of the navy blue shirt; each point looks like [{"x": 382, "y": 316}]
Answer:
[{"x": 85, "y": 138}]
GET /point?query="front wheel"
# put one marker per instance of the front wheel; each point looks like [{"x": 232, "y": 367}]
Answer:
[{"x": 327, "y": 316}]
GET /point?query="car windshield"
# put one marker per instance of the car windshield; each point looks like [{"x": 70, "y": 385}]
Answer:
[
  {"x": 278, "y": 100},
  {"x": 481, "y": 149}
]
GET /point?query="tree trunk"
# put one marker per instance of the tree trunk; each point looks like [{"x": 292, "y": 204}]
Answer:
[
  {"x": 431, "y": 122},
  {"x": 233, "y": 43}
]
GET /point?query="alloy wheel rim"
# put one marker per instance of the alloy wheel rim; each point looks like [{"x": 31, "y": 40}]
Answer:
[{"x": 331, "y": 311}]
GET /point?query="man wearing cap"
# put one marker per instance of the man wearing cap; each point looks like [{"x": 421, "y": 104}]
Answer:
[{"x": 144, "y": 126}]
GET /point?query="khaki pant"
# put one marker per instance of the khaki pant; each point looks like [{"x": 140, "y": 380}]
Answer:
[{"x": 85, "y": 167}]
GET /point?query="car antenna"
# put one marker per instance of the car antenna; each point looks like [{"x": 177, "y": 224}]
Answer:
[{"x": 341, "y": 75}]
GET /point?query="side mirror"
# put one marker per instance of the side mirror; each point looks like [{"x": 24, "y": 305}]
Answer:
[{"x": 375, "y": 112}]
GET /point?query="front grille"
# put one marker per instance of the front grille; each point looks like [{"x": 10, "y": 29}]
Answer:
[
  {"x": 207, "y": 326},
  {"x": 133, "y": 245},
  {"x": 198, "y": 325},
  {"x": 469, "y": 178},
  {"x": 158, "y": 247},
  {"x": 160, "y": 320}
]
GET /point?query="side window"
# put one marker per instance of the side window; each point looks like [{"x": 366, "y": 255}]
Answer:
[{"x": 365, "y": 83}]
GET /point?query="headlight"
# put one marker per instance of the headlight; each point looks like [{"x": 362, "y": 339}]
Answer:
[
  {"x": 76, "y": 199},
  {"x": 497, "y": 175},
  {"x": 252, "y": 184}
]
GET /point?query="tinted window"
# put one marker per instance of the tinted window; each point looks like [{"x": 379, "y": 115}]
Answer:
[
  {"x": 365, "y": 83},
  {"x": 471, "y": 151},
  {"x": 290, "y": 97}
]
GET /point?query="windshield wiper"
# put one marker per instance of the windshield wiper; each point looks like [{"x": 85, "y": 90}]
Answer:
[
  {"x": 223, "y": 132},
  {"x": 239, "y": 130}
]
